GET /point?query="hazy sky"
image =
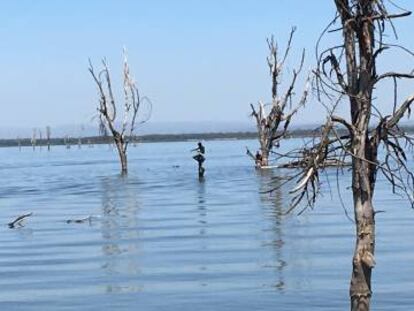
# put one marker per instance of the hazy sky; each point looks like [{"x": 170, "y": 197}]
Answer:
[{"x": 196, "y": 60}]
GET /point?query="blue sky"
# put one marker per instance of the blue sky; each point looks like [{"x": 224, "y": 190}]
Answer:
[{"x": 196, "y": 60}]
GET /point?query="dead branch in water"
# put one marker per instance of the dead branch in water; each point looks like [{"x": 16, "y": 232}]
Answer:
[
  {"x": 79, "y": 221},
  {"x": 18, "y": 221}
]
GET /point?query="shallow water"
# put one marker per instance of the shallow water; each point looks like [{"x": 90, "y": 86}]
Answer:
[{"x": 159, "y": 239}]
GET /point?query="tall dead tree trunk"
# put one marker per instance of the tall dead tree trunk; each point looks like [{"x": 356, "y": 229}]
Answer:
[
  {"x": 66, "y": 141},
  {"x": 40, "y": 139},
  {"x": 352, "y": 75},
  {"x": 19, "y": 143},
  {"x": 82, "y": 128},
  {"x": 272, "y": 125},
  {"x": 108, "y": 113},
  {"x": 33, "y": 140},
  {"x": 48, "y": 134}
]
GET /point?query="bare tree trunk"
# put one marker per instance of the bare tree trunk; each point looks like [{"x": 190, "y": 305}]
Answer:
[
  {"x": 123, "y": 159},
  {"x": 48, "y": 132},
  {"x": 122, "y": 154},
  {"x": 363, "y": 259},
  {"x": 19, "y": 143},
  {"x": 363, "y": 30},
  {"x": 265, "y": 157},
  {"x": 33, "y": 141}
]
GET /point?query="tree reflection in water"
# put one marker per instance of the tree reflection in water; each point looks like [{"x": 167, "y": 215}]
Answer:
[
  {"x": 120, "y": 233},
  {"x": 272, "y": 179}
]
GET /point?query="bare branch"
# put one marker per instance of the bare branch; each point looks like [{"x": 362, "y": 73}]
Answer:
[
  {"x": 394, "y": 75},
  {"x": 342, "y": 121},
  {"x": 404, "y": 108}
]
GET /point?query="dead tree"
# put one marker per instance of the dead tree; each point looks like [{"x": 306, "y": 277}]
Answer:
[
  {"x": 48, "y": 134},
  {"x": 19, "y": 143},
  {"x": 108, "y": 112},
  {"x": 82, "y": 128},
  {"x": 272, "y": 125},
  {"x": 33, "y": 140},
  {"x": 348, "y": 74},
  {"x": 40, "y": 139},
  {"x": 66, "y": 141}
]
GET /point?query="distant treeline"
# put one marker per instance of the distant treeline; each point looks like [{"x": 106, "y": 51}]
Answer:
[{"x": 152, "y": 138}]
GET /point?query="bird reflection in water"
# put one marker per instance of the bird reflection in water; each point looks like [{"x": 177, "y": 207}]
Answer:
[{"x": 202, "y": 221}]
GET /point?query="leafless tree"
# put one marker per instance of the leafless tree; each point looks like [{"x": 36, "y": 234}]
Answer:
[
  {"x": 48, "y": 134},
  {"x": 19, "y": 143},
  {"x": 33, "y": 140},
  {"x": 82, "y": 128},
  {"x": 89, "y": 142},
  {"x": 108, "y": 112},
  {"x": 349, "y": 73},
  {"x": 40, "y": 139},
  {"x": 272, "y": 125},
  {"x": 66, "y": 141}
]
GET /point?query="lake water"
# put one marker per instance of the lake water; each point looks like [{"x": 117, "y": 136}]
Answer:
[{"x": 161, "y": 240}]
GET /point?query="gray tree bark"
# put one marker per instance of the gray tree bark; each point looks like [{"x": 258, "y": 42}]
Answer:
[{"x": 362, "y": 23}]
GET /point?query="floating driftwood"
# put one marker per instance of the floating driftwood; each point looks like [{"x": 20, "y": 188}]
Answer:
[
  {"x": 303, "y": 163},
  {"x": 79, "y": 221},
  {"x": 267, "y": 167},
  {"x": 18, "y": 221}
]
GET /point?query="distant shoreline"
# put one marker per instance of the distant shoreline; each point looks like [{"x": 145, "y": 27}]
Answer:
[
  {"x": 155, "y": 138},
  {"x": 150, "y": 138}
]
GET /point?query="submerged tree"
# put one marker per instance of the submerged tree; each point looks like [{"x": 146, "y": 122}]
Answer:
[
  {"x": 34, "y": 139},
  {"x": 349, "y": 72},
  {"x": 40, "y": 139},
  {"x": 82, "y": 129},
  {"x": 19, "y": 143},
  {"x": 272, "y": 126},
  {"x": 108, "y": 113},
  {"x": 48, "y": 135}
]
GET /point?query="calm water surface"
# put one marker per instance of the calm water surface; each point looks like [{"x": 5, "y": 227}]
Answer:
[{"x": 161, "y": 240}]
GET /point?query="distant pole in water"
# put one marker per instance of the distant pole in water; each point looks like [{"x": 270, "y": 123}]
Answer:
[{"x": 200, "y": 158}]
